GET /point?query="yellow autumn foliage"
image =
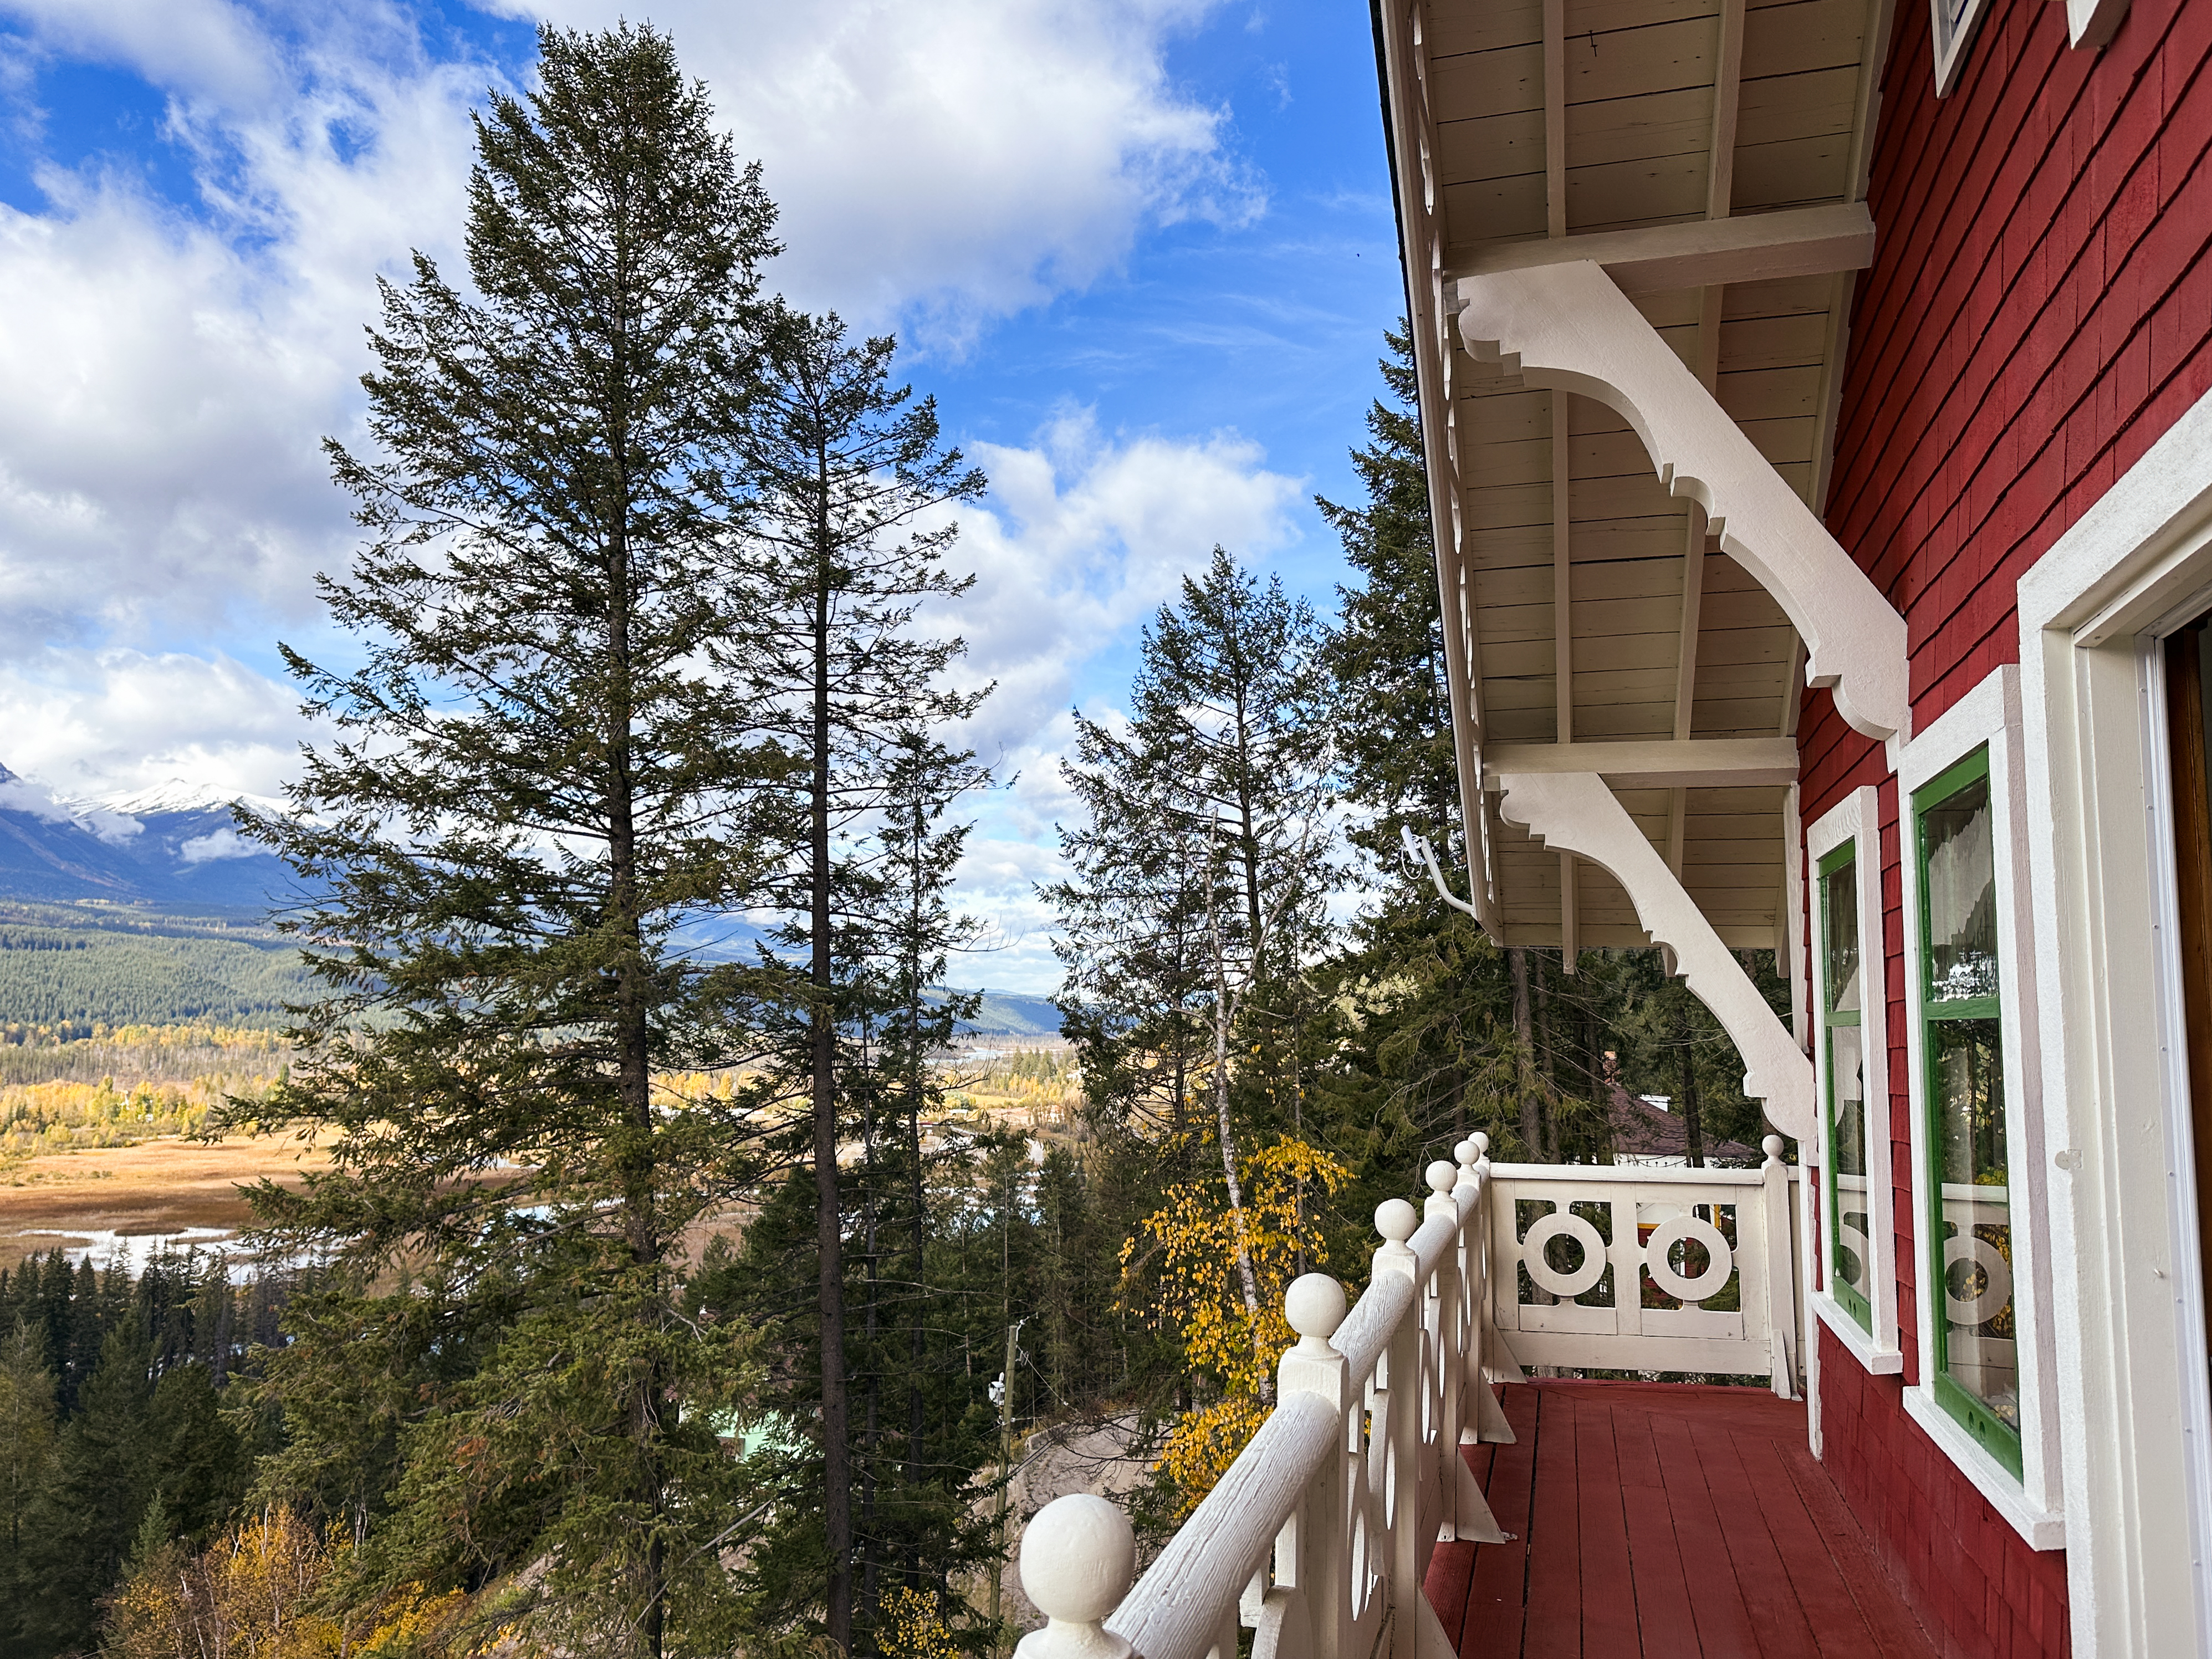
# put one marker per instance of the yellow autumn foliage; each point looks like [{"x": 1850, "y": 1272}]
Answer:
[
  {"x": 912, "y": 1626},
  {"x": 253, "y": 1594},
  {"x": 1201, "y": 1292}
]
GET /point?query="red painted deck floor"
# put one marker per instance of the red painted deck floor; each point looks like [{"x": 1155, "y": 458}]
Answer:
[{"x": 1656, "y": 1520}]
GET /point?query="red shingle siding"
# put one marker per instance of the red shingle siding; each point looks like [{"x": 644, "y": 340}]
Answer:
[
  {"x": 1968, "y": 1577},
  {"x": 2039, "y": 310}
]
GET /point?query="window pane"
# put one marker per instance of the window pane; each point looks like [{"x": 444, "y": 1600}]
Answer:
[
  {"x": 1967, "y": 1081},
  {"x": 1839, "y": 920},
  {"x": 1962, "y": 894},
  {"x": 1847, "y": 1193}
]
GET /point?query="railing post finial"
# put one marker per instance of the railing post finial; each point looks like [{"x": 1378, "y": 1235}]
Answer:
[
  {"x": 1772, "y": 1147},
  {"x": 1441, "y": 1175},
  {"x": 1395, "y": 1219},
  {"x": 1314, "y": 1306},
  {"x": 1078, "y": 1558}
]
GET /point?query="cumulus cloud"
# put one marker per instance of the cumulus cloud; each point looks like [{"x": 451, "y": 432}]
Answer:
[
  {"x": 224, "y": 843},
  {"x": 23, "y": 795},
  {"x": 118, "y": 721},
  {"x": 1082, "y": 536},
  {"x": 166, "y": 375},
  {"x": 939, "y": 165}
]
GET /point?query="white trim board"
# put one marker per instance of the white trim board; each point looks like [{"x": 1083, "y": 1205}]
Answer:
[
  {"x": 1857, "y": 820},
  {"x": 2128, "y": 1312},
  {"x": 1990, "y": 714}
]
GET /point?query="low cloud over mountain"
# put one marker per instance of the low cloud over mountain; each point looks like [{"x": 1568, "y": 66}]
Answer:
[{"x": 174, "y": 846}]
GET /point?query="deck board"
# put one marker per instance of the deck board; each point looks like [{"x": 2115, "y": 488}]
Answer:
[
  {"x": 1497, "y": 1590},
  {"x": 1653, "y": 1520}
]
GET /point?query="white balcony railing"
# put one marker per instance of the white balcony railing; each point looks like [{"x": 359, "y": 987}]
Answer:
[{"x": 1319, "y": 1534}]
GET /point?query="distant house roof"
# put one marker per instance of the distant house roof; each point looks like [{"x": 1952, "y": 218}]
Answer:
[{"x": 1642, "y": 1131}]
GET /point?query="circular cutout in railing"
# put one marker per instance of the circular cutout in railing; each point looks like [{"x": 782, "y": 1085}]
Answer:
[
  {"x": 1720, "y": 1261},
  {"x": 1563, "y": 1223}
]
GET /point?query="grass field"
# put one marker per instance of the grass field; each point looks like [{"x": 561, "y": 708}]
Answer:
[
  {"x": 160, "y": 1187},
  {"x": 96, "y": 1129}
]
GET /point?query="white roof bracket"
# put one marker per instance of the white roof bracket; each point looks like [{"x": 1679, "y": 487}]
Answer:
[
  {"x": 1576, "y": 812},
  {"x": 1569, "y": 327}
]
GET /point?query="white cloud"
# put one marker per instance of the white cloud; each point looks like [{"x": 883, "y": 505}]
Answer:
[
  {"x": 166, "y": 378},
  {"x": 225, "y": 843},
  {"x": 1082, "y": 536},
  {"x": 118, "y": 721},
  {"x": 939, "y": 165},
  {"x": 22, "y": 795}
]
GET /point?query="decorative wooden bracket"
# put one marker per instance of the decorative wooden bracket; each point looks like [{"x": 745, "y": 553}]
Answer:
[
  {"x": 1576, "y": 812},
  {"x": 1567, "y": 326}
]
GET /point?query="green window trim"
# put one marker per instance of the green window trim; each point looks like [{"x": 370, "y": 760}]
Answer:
[
  {"x": 1846, "y": 1296},
  {"x": 1944, "y": 1019}
]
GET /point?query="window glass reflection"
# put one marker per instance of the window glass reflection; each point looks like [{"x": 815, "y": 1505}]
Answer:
[
  {"x": 1968, "y": 1082},
  {"x": 1840, "y": 906},
  {"x": 1960, "y": 869}
]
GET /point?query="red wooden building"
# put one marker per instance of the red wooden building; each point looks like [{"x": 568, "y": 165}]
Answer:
[{"x": 1818, "y": 406}]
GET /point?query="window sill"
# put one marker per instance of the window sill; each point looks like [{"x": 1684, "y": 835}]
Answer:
[
  {"x": 1846, "y": 1330},
  {"x": 2042, "y": 1529}
]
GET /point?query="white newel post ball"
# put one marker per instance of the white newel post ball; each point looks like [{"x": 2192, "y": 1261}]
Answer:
[
  {"x": 1395, "y": 1219},
  {"x": 1314, "y": 1306},
  {"x": 1442, "y": 1175},
  {"x": 1078, "y": 1556},
  {"x": 1772, "y": 1147},
  {"x": 1466, "y": 1151}
]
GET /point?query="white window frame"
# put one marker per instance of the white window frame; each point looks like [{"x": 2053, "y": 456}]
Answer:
[
  {"x": 1952, "y": 41},
  {"x": 2129, "y": 1310},
  {"x": 1857, "y": 820},
  {"x": 1990, "y": 714}
]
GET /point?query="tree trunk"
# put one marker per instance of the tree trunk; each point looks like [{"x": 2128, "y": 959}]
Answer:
[
  {"x": 1693, "y": 1123},
  {"x": 634, "y": 1066},
  {"x": 1544, "y": 1059},
  {"x": 1525, "y": 1035},
  {"x": 1251, "y": 1284},
  {"x": 836, "y": 1449},
  {"x": 913, "y": 1416},
  {"x": 869, "y": 1541}
]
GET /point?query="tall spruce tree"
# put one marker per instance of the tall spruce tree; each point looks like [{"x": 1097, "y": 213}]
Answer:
[
  {"x": 534, "y": 781},
  {"x": 27, "y": 1450},
  {"x": 846, "y": 543},
  {"x": 1426, "y": 1058},
  {"x": 1209, "y": 822}
]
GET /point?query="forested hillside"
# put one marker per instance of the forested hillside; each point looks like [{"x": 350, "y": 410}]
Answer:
[{"x": 73, "y": 965}]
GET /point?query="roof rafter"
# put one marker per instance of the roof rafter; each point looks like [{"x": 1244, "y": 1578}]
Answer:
[
  {"x": 1700, "y": 763},
  {"x": 1814, "y": 242}
]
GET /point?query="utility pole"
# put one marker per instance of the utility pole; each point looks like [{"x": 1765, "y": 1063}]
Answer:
[{"x": 1004, "y": 1392}]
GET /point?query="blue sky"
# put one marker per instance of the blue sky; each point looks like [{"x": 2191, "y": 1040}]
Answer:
[{"x": 1140, "y": 250}]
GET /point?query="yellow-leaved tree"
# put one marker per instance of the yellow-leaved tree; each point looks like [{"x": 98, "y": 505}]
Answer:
[
  {"x": 1193, "y": 1238},
  {"x": 257, "y": 1593}
]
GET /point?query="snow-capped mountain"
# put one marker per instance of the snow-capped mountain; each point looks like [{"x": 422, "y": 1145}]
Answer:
[{"x": 176, "y": 844}]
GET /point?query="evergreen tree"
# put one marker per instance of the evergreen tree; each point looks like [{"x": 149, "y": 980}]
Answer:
[
  {"x": 845, "y": 547},
  {"x": 1426, "y": 1055},
  {"x": 1201, "y": 874},
  {"x": 26, "y": 1450},
  {"x": 533, "y": 784},
  {"x": 101, "y": 1484}
]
